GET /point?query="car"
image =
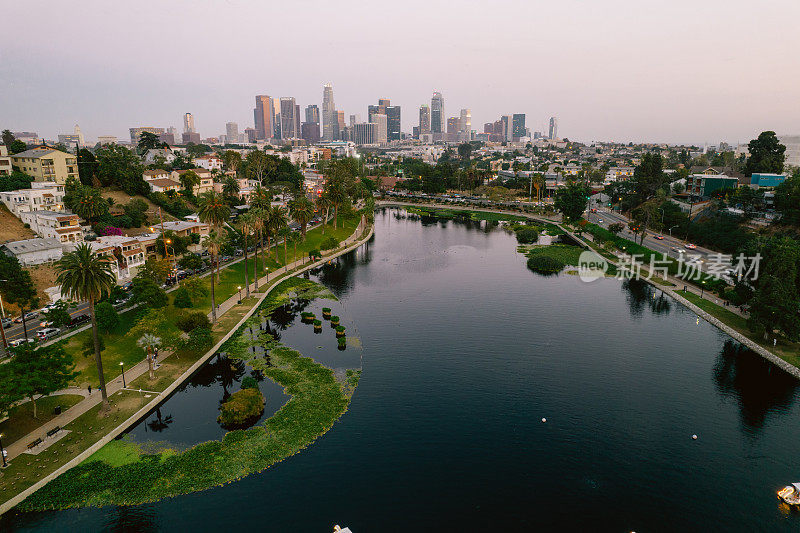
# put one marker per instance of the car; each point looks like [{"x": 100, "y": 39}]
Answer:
[
  {"x": 78, "y": 320},
  {"x": 28, "y": 316},
  {"x": 47, "y": 333},
  {"x": 19, "y": 342},
  {"x": 45, "y": 323},
  {"x": 600, "y": 220},
  {"x": 676, "y": 249},
  {"x": 690, "y": 246},
  {"x": 8, "y": 322},
  {"x": 660, "y": 237}
]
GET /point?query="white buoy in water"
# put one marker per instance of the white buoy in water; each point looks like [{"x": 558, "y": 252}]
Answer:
[
  {"x": 694, "y": 437},
  {"x": 544, "y": 420}
]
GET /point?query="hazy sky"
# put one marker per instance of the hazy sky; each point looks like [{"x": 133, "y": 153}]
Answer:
[{"x": 675, "y": 71}]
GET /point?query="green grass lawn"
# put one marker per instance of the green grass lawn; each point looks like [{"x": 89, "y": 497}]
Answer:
[
  {"x": 20, "y": 419},
  {"x": 565, "y": 253}
]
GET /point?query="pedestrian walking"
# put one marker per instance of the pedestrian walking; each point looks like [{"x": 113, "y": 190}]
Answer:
[{"x": 90, "y": 389}]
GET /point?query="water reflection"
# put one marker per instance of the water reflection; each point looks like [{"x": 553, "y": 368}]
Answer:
[
  {"x": 758, "y": 386},
  {"x": 142, "y": 518},
  {"x": 640, "y": 295}
]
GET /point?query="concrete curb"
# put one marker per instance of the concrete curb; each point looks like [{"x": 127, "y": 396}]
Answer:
[{"x": 16, "y": 500}]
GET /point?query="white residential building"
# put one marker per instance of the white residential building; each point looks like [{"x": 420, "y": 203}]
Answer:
[
  {"x": 54, "y": 224},
  {"x": 34, "y": 251},
  {"x": 5, "y": 161},
  {"x": 156, "y": 153},
  {"x": 42, "y": 196},
  {"x": 208, "y": 162}
]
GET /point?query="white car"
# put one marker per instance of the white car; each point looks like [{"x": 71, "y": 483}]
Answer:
[
  {"x": 47, "y": 333},
  {"x": 19, "y": 342}
]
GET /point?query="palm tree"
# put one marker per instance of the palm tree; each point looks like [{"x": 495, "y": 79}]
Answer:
[
  {"x": 286, "y": 233},
  {"x": 213, "y": 210},
  {"x": 246, "y": 226},
  {"x": 324, "y": 204},
  {"x": 337, "y": 195},
  {"x": 302, "y": 211},
  {"x": 213, "y": 242},
  {"x": 277, "y": 220},
  {"x": 296, "y": 238},
  {"x": 150, "y": 343},
  {"x": 85, "y": 276},
  {"x": 258, "y": 226},
  {"x": 230, "y": 187}
]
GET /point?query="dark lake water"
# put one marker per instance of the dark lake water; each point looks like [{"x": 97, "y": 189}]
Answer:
[{"x": 464, "y": 352}]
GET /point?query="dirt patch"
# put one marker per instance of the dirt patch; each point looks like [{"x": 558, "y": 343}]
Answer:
[
  {"x": 121, "y": 197},
  {"x": 44, "y": 277},
  {"x": 12, "y": 228}
]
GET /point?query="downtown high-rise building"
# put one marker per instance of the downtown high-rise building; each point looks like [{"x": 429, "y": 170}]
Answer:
[
  {"x": 364, "y": 133},
  {"x": 465, "y": 126},
  {"x": 188, "y": 123},
  {"x": 438, "y": 120},
  {"x": 453, "y": 127},
  {"x": 312, "y": 114},
  {"x": 340, "y": 125},
  {"x": 424, "y": 119},
  {"x": 393, "y": 125},
  {"x": 288, "y": 120},
  {"x": 507, "y": 126},
  {"x": 330, "y": 125},
  {"x": 518, "y": 126},
  {"x": 381, "y": 128},
  {"x": 553, "y": 128},
  {"x": 263, "y": 114},
  {"x": 232, "y": 132}
]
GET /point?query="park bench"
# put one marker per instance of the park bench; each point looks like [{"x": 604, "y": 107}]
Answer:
[
  {"x": 53, "y": 431},
  {"x": 34, "y": 444}
]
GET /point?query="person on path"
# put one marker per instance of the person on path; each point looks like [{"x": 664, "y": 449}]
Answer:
[{"x": 90, "y": 389}]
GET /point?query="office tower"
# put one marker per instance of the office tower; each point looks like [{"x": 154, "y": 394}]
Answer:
[
  {"x": 75, "y": 138},
  {"x": 288, "y": 122},
  {"x": 507, "y": 125},
  {"x": 232, "y": 132},
  {"x": 393, "y": 122},
  {"x": 364, "y": 132},
  {"x": 329, "y": 120},
  {"x": 381, "y": 128},
  {"x": 354, "y": 119},
  {"x": 453, "y": 126},
  {"x": 263, "y": 117},
  {"x": 340, "y": 124},
  {"x": 276, "y": 117},
  {"x": 384, "y": 102},
  {"x": 190, "y": 137},
  {"x": 251, "y": 134},
  {"x": 312, "y": 114},
  {"x": 297, "y": 121},
  {"x": 136, "y": 132},
  {"x": 424, "y": 119},
  {"x": 553, "y": 128},
  {"x": 309, "y": 131},
  {"x": 518, "y": 126},
  {"x": 415, "y": 132},
  {"x": 488, "y": 127},
  {"x": 188, "y": 123},
  {"x": 437, "y": 113},
  {"x": 466, "y": 125}
]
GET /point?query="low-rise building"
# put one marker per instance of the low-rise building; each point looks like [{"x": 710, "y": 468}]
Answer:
[
  {"x": 158, "y": 155},
  {"x": 206, "y": 179},
  {"x": 706, "y": 184},
  {"x": 46, "y": 164},
  {"x": 42, "y": 196},
  {"x": 34, "y": 251},
  {"x": 208, "y": 162},
  {"x": 762, "y": 180},
  {"x": 54, "y": 224},
  {"x": 5, "y": 161}
]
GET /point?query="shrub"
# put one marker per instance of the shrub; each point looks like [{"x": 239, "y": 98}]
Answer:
[
  {"x": 545, "y": 265},
  {"x": 192, "y": 321},
  {"x": 107, "y": 317},
  {"x": 326, "y": 310},
  {"x": 200, "y": 340},
  {"x": 249, "y": 382},
  {"x": 182, "y": 298},
  {"x": 526, "y": 235},
  {"x": 318, "y": 323},
  {"x": 329, "y": 243},
  {"x": 314, "y": 254},
  {"x": 242, "y": 408}
]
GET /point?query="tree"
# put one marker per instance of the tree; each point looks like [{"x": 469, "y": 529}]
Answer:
[
  {"x": 38, "y": 371},
  {"x": 87, "y": 167},
  {"x": 324, "y": 205},
  {"x": 148, "y": 293},
  {"x": 213, "y": 210},
  {"x": 84, "y": 276},
  {"x": 189, "y": 180},
  {"x": 278, "y": 219},
  {"x": 571, "y": 200},
  {"x": 148, "y": 141},
  {"x": 155, "y": 270},
  {"x": 302, "y": 211},
  {"x": 86, "y": 202},
  {"x": 230, "y": 188},
  {"x": 8, "y": 138},
  {"x": 246, "y": 223},
  {"x": 150, "y": 343},
  {"x": 776, "y": 291},
  {"x": 464, "y": 151},
  {"x": 17, "y": 287},
  {"x": 190, "y": 321},
  {"x": 58, "y": 315},
  {"x": 259, "y": 165},
  {"x": 17, "y": 146},
  {"x": 190, "y": 261},
  {"x": 616, "y": 227},
  {"x": 182, "y": 298},
  {"x": 107, "y": 317},
  {"x": 787, "y": 199},
  {"x": 232, "y": 160},
  {"x": 766, "y": 154},
  {"x": 121, "y": 168}
]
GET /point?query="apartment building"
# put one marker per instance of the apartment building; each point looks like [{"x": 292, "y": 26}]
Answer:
[
  {"x": 208, "y": 162},
  {"x": 46, "y": 164},
  {"x": 42, "y": 196},
  {"x": 54, "y": 224},
  {"x": 206, "y": 179},
  {"x": 5, "y": 161}
]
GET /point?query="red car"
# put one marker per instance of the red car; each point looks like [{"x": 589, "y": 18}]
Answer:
[{"x": 660, "y": 237}]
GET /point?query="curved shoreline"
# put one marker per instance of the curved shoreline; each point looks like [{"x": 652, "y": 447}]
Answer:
[{"x": 162, "y": 396}]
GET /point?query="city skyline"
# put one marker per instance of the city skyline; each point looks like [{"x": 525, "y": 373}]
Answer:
[{"x": 616, "y": 72}]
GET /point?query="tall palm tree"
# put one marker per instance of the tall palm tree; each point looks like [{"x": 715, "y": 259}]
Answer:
[
  {"x": 246, "y": 226},
  {"x": 335, "y": 189},
  {"x": 277, "y": 220},
  {"x": 302, "y": 211},
  {"x": 150, "y": 343},
  {"x": 324, "y": 204},
  {"x": 213, "y": 242},
  {"x": 258, "y": 226},
  {"x": 85, "y": 276},
  {"x": 213, "y": 210},
  {"x": 286, "y": 233}
]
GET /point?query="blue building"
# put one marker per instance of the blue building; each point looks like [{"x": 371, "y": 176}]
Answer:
[{"x": 758, "y": 181}]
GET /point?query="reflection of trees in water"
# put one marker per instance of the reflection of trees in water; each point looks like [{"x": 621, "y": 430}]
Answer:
[
  {"x": 640, "y": 295},
  {"x": 285, "y": 315},
  {"x": 220, "y": 370},
  {"x": 758, "y": 388},
  {"x": 139, "y": 519},
  {"x": 337, "y": 275},
  {"x": 160, "y": 423}
]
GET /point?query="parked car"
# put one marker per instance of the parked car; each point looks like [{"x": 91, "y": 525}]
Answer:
[
  {"x": 47, "y": 333},
  {"x": 8, "y": 322},
  {"x": 28, "y": 316},
  {"x": 19, "y": 342},
  {"x": 78, "y": 320}
]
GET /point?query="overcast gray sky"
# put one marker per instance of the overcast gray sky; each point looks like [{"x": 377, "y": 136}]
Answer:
[{"x": 642, "y": 70}]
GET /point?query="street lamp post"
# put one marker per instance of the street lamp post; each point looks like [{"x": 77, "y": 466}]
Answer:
[
  {"x": 124, "y": 385},
  {"x": 2, "y": 451},
  {"x": 240, "y": 294},
  {"x": 3, "y": 315},
  {"x": 672, "y": 228},
  {"x": 702, "y": 287}
]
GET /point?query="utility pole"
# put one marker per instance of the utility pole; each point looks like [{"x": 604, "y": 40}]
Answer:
[{"x": 163, "y": 236}]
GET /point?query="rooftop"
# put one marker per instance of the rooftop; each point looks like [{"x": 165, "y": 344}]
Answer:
[{"x": 32, "y": 245}]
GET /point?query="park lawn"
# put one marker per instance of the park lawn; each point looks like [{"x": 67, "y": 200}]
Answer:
[
  {"x": 785, "y": 349},
  {"x": 20, "y": 419}
]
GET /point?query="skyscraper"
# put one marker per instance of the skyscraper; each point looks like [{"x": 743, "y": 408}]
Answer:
[
  {"x": 297, "y": 121},
  {"x": 393, "y": 122},
  {"x": 437, "y": 113},
  {"x": 263, "y": 117},
  {"x": 518, "y": 126},
  {"x": 232, "y": 132},
  {"x": 384, "y": 102},
  {"x": 424, "y": 119},
  {"x": 188, "y": 123},
  {"x": 312, "y": 114},
  {"x": 381, "y": 128},
  {"x": 288, "y": 122},
  {"x": 553, "y": 128},
  {"x": 364, "y": 133},
  {"x": 465, "y": 125},
  {"x": 507, "y": 125},
  {"x": 340, "y": 124},
  {"x": 329, "y": 119}
]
